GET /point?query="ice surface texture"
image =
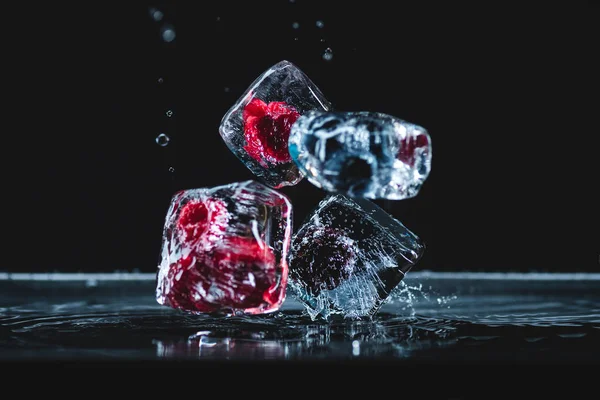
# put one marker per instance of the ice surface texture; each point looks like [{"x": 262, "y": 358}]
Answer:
[
  {"x": 225, "y": 249},
  {"x": 256, "y": 129},
  {"x": 362, "y": 154},
  {"x": 348, "y": 256}
]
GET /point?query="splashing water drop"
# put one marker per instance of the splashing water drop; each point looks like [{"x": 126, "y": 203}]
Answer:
[
  {"x": 162, "y": 140},
  {"x": 320, "y": 24},
  {"x": 168, "y": 33},
  {"x": 169, "y": 113},
  {"x": 328, "y": 55},
  {"x": 295, "y": 25}
]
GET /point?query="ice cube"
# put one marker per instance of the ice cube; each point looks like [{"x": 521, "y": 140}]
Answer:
[
  {"x": 256, "y": 129},
  {"x": 362, "y": 154},
  {"x": 224, "y": 249},
  {"x": 348, "y": 256}
]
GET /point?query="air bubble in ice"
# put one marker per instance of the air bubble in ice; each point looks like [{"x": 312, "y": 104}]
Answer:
[{"x": 162, "y": 140}]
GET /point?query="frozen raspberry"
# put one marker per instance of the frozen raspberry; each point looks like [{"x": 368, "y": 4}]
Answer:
[
  {"x": 203, "y": 222},
  {"x": 237, "y": 275},
  {"x": 324, "y": 257},
  {"x": 249, "y": 267},
  {"x": 185, "y": 284},
  {"x": 267, "y": 130},
  {"x": 408, "y": 147}
]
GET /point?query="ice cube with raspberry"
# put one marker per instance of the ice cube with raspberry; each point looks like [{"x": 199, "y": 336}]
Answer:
[
  {"x": 348, "y": 256},
  {"x": 257, "y": 127},
  {"x": 225, "y": 249}
]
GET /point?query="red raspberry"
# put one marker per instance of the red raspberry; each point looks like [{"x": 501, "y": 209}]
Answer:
[
  {"x": 238, "y": 275},
  {"x": 202, "y": 222},
  {"x": 408, "y": 146},
  {"x": 248, "y": 269},
  {"x": 267, "y": 130}
]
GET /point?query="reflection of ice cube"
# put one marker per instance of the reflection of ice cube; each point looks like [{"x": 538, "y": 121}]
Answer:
[
  {"x": 224, "y": 249},
  {"x": 348, "y": 256},
  {"x": 363, "y": 154},
  {"x": 256, "y": 128}
]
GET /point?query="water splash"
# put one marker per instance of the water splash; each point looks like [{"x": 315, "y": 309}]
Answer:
[{"x": 405, "y": 296}]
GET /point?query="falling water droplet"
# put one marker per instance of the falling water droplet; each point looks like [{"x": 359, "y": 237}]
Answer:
[
  {"x": 320, "y": 24},
  {"x": 156, "y": 15},
  {"x": 171, "y": 169},
  {"x": 162, "y": 140},
  {"x": 168, "y": 33},
  {"x": 328, "y": 55},
  {"x": 160, "y": 80},
  {"x": 169, "y": 113},
  {"x": 295, "y": 25}
]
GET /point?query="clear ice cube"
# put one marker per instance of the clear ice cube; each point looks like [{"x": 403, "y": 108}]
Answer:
[
  {"x": 348, "y": 256},
  {"x": 361, "y": 154},
  {"x": 225, "y": 249},
  {"x": 256, "y": 129}
]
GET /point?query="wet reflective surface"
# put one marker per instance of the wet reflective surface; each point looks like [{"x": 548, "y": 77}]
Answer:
[{"x": 430, "y": 319}]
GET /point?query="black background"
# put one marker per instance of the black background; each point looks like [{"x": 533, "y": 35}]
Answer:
[{"x": 496, "y": 85}]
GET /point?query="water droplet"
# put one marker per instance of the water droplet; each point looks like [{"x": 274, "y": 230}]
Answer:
[
  {"x": 296, "y": 39},
  {"x": 328, "y": 55},
  {"x": 168, "y": 33},
  {"x": 320, "y": 24},
  {"x": 322, "y": 40},
  {"x": 295, "y": 25},
  {"x": 160, "y": 80},
  {"x": 171, "y": 169},
  {"x": 226, "y": 89},
  {"x": 169, "y": 113},
  {"x": 156, "y": 15},
  {"x": 162, "y": 140}
]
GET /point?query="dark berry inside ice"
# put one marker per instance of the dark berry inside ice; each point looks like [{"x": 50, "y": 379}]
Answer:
[{"x": 324, "y": 257}]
